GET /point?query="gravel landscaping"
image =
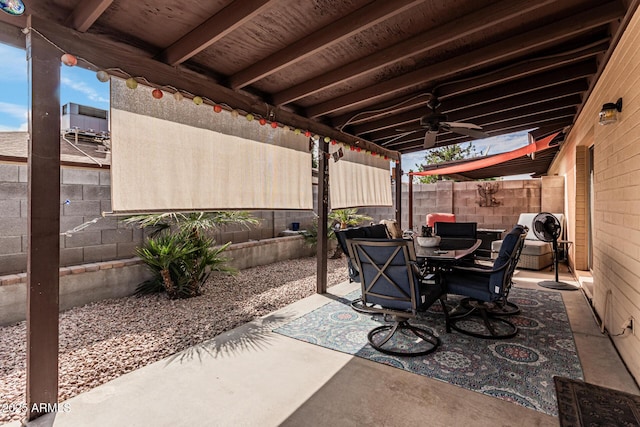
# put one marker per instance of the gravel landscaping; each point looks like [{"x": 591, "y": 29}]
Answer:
[{"x": 103, "y": 340}]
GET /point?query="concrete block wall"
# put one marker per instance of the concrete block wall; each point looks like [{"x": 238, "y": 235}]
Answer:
[
  {"x": 82, "y": 284},
  {"x": 514, "y": 198},
  {"x": 13, "y": 217},
  {"x": 553, "y": 197},
  {"x": 462, "y": 198},
  {"x": 79, "y": 285},
  {"x": 85, "y": 193}
]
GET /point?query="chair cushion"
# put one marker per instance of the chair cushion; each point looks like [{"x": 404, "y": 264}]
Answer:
[
  {"x": 506, "y": 250},
  {"x": 377, "y": 231},
  {"x": 398, "y": 269},
  {"x": 471, "y": 285},
  {"x": 432, "y": 218},
  {"x": 456, "y": 229},
  {"x": 486, "y": 286}
]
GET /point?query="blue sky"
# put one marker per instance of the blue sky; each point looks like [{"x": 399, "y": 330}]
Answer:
[
  {"x": 82, "y": 87},
  {"x": 493, "y": 145},
  {"x": 77, "y": 85}
]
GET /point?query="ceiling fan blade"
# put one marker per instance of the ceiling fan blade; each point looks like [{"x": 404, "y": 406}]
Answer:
[
  {"x": 430, "y": 139},
  {"x": 461, "y": 125},
  {"x": 410, "y": 129},
  {"x": 473, "y": 133}
]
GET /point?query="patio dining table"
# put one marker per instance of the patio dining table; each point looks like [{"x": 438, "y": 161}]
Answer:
[{"x": 449, "y": 250}]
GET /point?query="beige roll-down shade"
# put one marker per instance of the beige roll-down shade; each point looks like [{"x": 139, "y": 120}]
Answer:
[
  {"x": 170, "y": 155},
  {"x": 358, "y": 179}
]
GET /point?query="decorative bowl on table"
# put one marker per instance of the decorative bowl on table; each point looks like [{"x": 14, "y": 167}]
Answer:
[{"x": 428, "y": 242}]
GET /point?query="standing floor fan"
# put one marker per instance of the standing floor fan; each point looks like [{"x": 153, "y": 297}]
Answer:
[{"x": 547, "y": 228}]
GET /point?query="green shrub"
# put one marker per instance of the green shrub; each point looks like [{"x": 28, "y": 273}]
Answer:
[{"x": 179, "y": 253}]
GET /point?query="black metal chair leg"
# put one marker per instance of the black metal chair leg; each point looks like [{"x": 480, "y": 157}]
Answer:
[
  {"x": 431, "y": 341},
  {"x": 361, "y": 307},
  {"x": 447, "y": 320},
  {"x": 497, "y": 327},
  {"x": 505, "y": 309},
  {"x": 499, "y": 308}
]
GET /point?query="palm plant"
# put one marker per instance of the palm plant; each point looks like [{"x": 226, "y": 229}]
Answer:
[
  {"x": 180, "y": 265},
  {"x": 179, "y": 253},
  {"x": 347, "y": 217},
  {"x": 342, "y": 217},
  {"x": 192, "y": 221}
]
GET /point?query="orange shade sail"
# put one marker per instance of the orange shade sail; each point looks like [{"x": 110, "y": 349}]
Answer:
[{"x": 539, "y": 145}]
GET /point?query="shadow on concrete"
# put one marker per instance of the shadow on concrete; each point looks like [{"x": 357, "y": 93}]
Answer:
[{"x": 253, "y": 336}]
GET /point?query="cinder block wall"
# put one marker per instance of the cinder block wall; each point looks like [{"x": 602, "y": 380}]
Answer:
[
  {"x": 513, "y": 197},
  {"x": 88, "y": 193},
  {"x": 462, "y": 198}
]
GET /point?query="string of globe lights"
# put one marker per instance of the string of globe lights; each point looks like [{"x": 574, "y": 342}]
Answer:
[{"x": 104, "y": 75}]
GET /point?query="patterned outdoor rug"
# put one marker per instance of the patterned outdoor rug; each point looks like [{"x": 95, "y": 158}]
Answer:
[
  {"x": 584, "y": 404},
  {"x": 519, "y": 370}
]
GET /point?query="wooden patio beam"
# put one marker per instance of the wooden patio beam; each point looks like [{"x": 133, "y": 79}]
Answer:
[
  {"x": 449, "y": 90},
  {"x": 481, "y": 104},
  {"x": 87, "y": 13},
  {"x": 519, "y": 85},
  {"x": 450, "y": 138},
  {"x": 517, "y": 72},
  {"x": 354, "y": 23},
  {"x": 43, "y": 224},
  {"x": 509, "y": 49},
  {"x": 488, "y": 117},
  {"x": 106, "y": 53},
  {"x": 213, "y": 29},
  {"x": 441, "y": 35}
]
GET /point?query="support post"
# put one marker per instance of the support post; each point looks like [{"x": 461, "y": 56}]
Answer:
[
  {"x": 398, "y": 179},
  {"x": 323, "y": 216},
  {"x": 410, "y": 201},
  {"x": 43, "y": 224}
]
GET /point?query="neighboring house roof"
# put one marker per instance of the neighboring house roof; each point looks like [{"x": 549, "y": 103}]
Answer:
[{"x": 14, "y": 146}]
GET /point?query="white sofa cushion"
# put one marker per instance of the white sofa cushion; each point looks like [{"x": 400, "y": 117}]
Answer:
[
  {"x": 531, "y": 247},
  {"x": 535, "y": 254}
]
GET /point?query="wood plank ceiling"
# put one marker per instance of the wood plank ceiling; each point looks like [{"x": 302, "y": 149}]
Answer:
[{"x": 353, "y": 69}]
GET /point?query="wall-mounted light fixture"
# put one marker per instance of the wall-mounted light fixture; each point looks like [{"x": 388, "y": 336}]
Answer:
[
  {"x": 609, "y": 112},
  {"x": 12, "y": 7}
]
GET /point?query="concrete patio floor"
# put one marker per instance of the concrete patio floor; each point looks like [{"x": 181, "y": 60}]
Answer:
[{"x": 251, "y": 376}]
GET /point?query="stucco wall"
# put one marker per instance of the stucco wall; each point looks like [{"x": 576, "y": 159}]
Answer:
[{"x": 616, "y": 215}]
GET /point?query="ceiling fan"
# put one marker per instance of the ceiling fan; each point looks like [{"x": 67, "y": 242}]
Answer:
[{"x": 434, "y": 123}]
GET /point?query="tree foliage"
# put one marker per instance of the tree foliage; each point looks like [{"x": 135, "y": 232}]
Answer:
[{"x": 444, "y": 154}]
